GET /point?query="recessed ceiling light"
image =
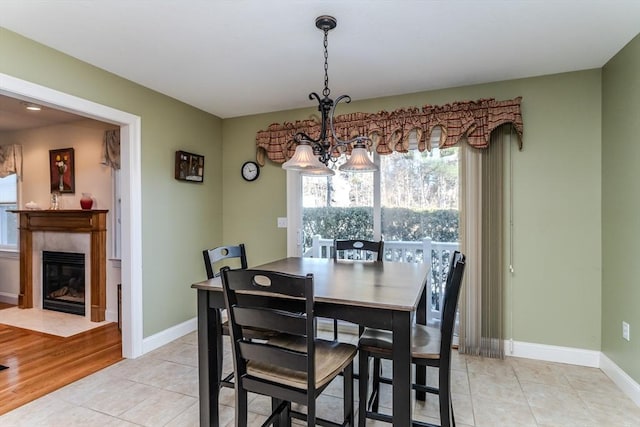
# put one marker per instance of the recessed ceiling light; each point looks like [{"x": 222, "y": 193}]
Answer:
[{"x": 31, "y": 107}]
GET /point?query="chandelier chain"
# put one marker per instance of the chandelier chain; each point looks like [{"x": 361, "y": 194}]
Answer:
[{"x": 326, "y": 91}]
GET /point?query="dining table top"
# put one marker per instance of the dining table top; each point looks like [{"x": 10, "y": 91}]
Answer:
[{"x": 387, "y": 285}]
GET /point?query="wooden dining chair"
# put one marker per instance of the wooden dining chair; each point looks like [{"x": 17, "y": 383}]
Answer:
[
  {"x": 377, "y": 366},
  {"x": 213, "y": 258},
  {"x": 430, "y": 347},
  {"x": 292, "y": 367},
  {"x": 361, "y": 250}
]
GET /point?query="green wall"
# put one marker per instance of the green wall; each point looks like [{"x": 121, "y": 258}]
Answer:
[
  {"x": 556, "y": 285},
  {"x": 179, "y": 219},
  {"x": 621, "y": 207},
  {"x": 555, "y": 293}
]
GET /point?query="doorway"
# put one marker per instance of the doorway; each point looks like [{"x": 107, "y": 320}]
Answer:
[{"x": 131, "y": 193}]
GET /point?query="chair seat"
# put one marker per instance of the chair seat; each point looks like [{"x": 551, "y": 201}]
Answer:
[
  {"x": 425, "y": 341},
  {"x": 331, "y": 357}
]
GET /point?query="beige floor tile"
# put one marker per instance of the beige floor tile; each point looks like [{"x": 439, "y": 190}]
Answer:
[
  {"x": 189, "y": 418},
  {"x": 546, "y": 395},
  {"x": 622, "y": 416},
  {"x": 178, "y": 352},
  {"x": 495, "y": 387},
  {"x": 116, "y": 396},
  {"x": 540, "y": 372},
  {"x": 495, "y": 367},
  {"x": 492, "y": 413},
  {"x": 159, "y": 408},
  {"x": 463, "y": 408}
]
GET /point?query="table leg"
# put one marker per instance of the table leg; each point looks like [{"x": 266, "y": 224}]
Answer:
[
  {"x": 209, "y": 359},
  {"x": 421, "y": 319},
  {"x": 401, "y": 354}
]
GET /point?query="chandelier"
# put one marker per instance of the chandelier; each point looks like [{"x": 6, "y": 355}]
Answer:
[{"x": 312, "y": 155}]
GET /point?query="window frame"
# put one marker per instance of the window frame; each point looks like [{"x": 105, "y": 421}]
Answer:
[{"x": 11, "y": 205}]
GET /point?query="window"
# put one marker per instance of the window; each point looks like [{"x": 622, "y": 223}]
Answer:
[
  {"x": 414, "y": 196},
  {"x": 8, "y": 220},
  {"x": 411, "y": 203}
]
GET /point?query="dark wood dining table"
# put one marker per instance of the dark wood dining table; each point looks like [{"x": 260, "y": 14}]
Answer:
[{"x": 384, "y": 295}]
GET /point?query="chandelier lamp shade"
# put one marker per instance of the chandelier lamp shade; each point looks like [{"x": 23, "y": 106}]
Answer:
[{"x": 312, "y": 155}]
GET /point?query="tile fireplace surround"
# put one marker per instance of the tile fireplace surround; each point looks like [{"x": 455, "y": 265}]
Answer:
[{"x": 91, "y": 222}]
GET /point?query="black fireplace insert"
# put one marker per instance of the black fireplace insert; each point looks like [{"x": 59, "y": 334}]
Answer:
[{"x": 63, "y": 284}]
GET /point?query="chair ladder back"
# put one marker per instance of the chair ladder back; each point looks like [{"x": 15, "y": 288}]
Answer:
[
  {"x": 271, "y": 319},
  {"x": 359, "y": 246},
  {"x": 212, "y": 258},
  {"x": 450, "y": 308},
  {"x": 455, "y": 255}
]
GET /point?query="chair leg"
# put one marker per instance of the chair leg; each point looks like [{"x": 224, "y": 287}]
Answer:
[
  {"x": 284, "y": 418},
  {"x": 377, "y": 369},
  {"x": 347, "y": 388},
  {"x": 444, "y": 398},
  {"x": 311, "y": 410},
  {"x": 335, "y": 329},
  {"x": 241, "y": 408},
  {"x": 363, "y": 383}
]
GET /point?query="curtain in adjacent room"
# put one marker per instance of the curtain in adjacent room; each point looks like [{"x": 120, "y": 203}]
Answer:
[
  {"x": 111, "y": 148},
  {"x": 10, "y": 160},
  {"x": 482, "y": 240}
]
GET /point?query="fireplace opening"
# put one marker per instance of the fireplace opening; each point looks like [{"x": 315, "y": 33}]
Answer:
[{"x": 63, "y": 282}]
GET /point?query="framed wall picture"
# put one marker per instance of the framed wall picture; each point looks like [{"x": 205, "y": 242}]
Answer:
[
  {"x": 189, "y": 167},
  {"x": 62, "y": 170}
]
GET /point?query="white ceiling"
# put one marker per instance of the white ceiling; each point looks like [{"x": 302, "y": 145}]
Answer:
[
  {"x": 239, "y": 57},
  {"x": 14, "y": 116}
]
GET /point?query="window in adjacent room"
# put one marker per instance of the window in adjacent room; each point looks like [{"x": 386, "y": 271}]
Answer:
[{"x": 8, "y": 220}]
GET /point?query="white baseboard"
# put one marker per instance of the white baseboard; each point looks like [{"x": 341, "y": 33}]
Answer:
[
  {"x": 552, "y": 353},
  {"x": 168, "y": 335},
  {"x": 8, "y": 298},
  {"x": 620, "y": 377}
]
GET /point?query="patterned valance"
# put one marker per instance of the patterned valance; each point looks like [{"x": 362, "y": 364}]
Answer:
[{"x": 472, "y": 121}]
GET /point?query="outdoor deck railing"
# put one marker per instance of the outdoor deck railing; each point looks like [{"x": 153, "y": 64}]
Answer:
[{"x": 402, "y": 251}]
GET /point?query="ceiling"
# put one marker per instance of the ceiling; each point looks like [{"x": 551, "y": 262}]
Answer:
[
  {"x": 234, "y": 58},
  {"x": 14, "y": 115}
]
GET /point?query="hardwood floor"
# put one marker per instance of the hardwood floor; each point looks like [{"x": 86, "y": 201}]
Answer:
[{"x": 40, "y": 363}]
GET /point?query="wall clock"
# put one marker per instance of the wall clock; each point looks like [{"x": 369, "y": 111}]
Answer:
[{"x": 250, "y": 171}]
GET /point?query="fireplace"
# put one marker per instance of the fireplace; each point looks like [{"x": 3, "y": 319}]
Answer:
[
  {"x": 63, "y": 284},
  {"x": 92, "y": 222}
]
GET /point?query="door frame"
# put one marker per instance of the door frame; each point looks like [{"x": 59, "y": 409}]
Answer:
[{"x": 131, "y": 175}]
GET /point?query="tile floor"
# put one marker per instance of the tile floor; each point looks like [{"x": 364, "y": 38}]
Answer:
[
  {"x": 161, "y": 389},
  {"x": 47, "y": 321}
]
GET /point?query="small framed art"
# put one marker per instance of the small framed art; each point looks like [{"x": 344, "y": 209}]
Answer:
[
  {"x": 62, "y": 170},
  {"x": 189, "y": 167}
]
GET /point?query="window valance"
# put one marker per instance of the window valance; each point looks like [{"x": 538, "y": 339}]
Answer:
[{"x": 472, "y": 121}]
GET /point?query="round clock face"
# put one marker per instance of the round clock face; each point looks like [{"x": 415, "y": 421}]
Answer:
[{"x": 250, "y": 171}]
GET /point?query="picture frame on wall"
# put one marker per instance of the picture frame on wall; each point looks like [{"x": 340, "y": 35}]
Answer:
[
  {"x": 189, "y": 167},
  {"x": 62, "y": 170}
]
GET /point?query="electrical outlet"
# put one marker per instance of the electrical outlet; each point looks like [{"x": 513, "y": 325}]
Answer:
[
  {"x": 625, "y": 331},
  {"x": 282, "y": 222}
]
